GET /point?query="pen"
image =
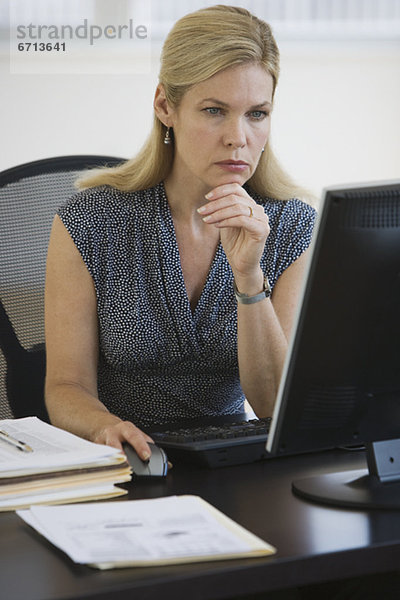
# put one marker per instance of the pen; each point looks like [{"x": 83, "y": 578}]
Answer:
[{"x": 6, "y": 437}]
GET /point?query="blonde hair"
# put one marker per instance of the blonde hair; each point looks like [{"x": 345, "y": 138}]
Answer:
[{"x": 200, "y": 45}]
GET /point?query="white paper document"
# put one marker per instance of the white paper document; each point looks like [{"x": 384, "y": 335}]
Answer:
[
  {"x": 42, "y": 464},
  {"x": 144, "y": 532},
  {"x": 52, "y": 448}
]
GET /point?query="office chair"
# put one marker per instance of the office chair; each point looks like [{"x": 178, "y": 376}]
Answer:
[{"x": 29, "y": 197}]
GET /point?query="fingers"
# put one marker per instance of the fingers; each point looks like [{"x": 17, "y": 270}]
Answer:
[
  {"x": 231, "y": 206},
  {"x": 125, "y": 431},
  {"x": 223, "y": 212}
]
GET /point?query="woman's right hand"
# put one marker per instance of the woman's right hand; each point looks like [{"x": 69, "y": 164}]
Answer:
[{"x": 120, "y": 432}]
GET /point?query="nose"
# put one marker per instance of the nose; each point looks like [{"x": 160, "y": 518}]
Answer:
[{"x": 235, "y": 135}]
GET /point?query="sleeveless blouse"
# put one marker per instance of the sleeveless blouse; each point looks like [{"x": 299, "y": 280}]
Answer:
[{"x": 158, "y": 360}]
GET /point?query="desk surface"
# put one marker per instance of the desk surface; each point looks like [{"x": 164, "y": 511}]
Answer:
[{"x": 315, "y": 543}]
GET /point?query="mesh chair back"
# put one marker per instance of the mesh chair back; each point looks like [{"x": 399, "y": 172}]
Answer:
[{"x": 29, "y": 197}]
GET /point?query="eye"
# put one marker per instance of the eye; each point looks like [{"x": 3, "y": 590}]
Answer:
[
  {"x": 213, "y": 110},
  {"x": 258, "y": 115}
]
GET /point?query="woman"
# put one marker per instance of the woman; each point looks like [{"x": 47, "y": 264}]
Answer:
[{"x": 159, "y": 279}]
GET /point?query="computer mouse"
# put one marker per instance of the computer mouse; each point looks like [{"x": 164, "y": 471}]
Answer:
[{"x": 156, "y": 466}]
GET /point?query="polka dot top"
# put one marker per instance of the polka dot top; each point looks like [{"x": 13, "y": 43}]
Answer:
[{"x": 158, "y": 360}]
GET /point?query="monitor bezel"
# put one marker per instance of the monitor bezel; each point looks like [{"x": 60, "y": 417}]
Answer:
[{"x": 272, "y": 444}]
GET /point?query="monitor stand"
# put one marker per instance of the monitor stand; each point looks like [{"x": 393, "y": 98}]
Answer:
[{"x": 375, "y": 487}]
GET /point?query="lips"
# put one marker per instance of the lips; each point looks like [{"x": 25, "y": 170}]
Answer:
[
  {"x": 233, "y": 162},
  {"x": 235, "y": 166}
]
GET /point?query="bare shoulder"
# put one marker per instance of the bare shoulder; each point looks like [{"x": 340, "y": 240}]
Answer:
[
  {"x": 68, "y": 280},
  {"x": 70, "y": 299},
  {"x": 63, "y": 255},
  {"x": 286, "y": 294}
]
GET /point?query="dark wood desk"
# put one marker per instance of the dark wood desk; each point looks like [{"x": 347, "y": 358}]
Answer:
[{"x": 315, "y": 543}]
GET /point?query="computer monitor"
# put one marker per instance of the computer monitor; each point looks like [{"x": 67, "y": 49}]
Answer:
[{"x": 341, "y": 380}]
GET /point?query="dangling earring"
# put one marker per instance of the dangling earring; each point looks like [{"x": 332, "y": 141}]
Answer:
[
  {"x": 167, "y": 139},
  {"x": 262, "y": 150}
]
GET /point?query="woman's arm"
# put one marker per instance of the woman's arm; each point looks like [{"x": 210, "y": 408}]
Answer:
[
  {"x": 263, "y": 333},
  {"x": 263, "y": 327},
  {"x": 72, "y": 347}
]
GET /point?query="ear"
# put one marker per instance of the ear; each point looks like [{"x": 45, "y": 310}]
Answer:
[{"x": 161, "y": 107}]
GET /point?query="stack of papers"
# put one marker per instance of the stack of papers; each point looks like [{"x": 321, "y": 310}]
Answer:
[
  {"x": 41, "y": 464},
  {"x": 160, "y": 531}
]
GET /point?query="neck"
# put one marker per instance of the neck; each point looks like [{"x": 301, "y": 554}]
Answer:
[{"x": 184, "y": 198}]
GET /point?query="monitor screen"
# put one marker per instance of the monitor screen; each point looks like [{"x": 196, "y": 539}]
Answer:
[{"x": 341, "y": 380}]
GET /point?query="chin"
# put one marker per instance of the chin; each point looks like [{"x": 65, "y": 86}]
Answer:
[{"x": 232, "y": 178}]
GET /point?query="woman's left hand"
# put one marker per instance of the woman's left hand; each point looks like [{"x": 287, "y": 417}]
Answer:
[{"x": 243, "y": 224}]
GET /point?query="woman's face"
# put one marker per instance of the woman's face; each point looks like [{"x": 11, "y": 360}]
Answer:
[{"x": 221, "y": 127}]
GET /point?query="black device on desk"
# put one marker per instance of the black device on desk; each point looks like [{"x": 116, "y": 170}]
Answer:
[
  {"x": 341, "y": 382},
  {"x": 215, "y": 441},
  {"x": 156, "y": 466}
]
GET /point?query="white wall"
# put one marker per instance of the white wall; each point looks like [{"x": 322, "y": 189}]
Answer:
[
  {"x": 337, "y": 115},
  {"x": 336, "y": 118}
]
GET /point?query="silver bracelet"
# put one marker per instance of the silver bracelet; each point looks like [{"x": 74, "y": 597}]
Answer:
[{"x": 245, "y": 299}]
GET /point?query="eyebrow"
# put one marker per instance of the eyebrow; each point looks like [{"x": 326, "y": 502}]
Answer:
[{"x": 264, "y": 104}]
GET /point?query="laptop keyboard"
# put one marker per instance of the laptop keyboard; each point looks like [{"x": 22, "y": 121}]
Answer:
[{"x": 216, "y": 445}]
